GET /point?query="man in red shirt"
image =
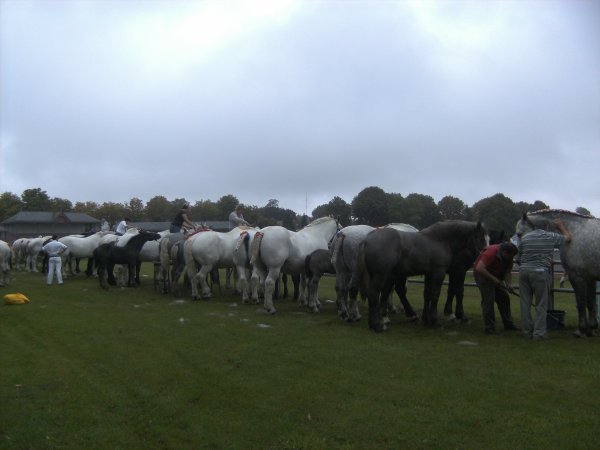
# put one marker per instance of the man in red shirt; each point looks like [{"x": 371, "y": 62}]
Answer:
[{"x": 492, "y": 272}]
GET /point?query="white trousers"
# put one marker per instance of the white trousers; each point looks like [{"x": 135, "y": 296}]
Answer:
[{"x": 55, "y": 265}]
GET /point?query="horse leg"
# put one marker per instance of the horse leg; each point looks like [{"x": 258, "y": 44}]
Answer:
[
  {"x": 191, "y": 271},
  {"x": 431, "y": 294},
  {"x": 341, "y": 290},
  {"x": 313, "y": 292},
  {"x": 386, "y": 292},
  {"x": 228, "y": 272},
  {"x": 130, "y": 274},
  {"x": 138, "y": 267},
  {"x": 110, "y": 267},
  {"x": 352, "y": 299},
  {"x": 90, "y": 267},
  {"x": 400, "y": 288},
  {"x": 101, "y": 275},
  {"x": 593, "y": 306},
  {"x": 374, "y": 298},
  {"x": 201, "y": 277},
  {"x": 270, "y": 281},
  {"x": 456, "y": 287},
  {"x": 255, "y": 279},
  {"x": 242, "y": 282},
  {"x": 580, "y": 288},
  {"x": 449, "y": 298},
  {"x": 284, "y": 282},
  {"x": 302, "y": 301}
]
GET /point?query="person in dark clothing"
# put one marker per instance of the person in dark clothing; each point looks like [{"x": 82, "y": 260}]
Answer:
[{"x": 182, "y": 220}]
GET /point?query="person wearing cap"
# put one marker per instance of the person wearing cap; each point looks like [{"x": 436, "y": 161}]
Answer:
[
  {"x": 492, "y": 272},
  {"x": 182, "y": 220},
  {"x": 236, "y": 218},
  {"x": 53, "y": 249}
]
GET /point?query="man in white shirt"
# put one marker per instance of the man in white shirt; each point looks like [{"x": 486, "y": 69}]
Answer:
[
  {"x": 54, "y": 248},
  {"x": 122, "y": 227},
  {"x": 236, "y": 219}
]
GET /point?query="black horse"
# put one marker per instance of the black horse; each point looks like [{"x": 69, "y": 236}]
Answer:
[
  {"x": 107, "y": 255},
  {"x": 387, "y": 257},
  {"x": 457, "y": 272}
]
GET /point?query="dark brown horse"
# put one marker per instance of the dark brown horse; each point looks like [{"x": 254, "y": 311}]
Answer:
[
  {"x": 457, "y": 272},
  {"x": 387, "y": 257}
]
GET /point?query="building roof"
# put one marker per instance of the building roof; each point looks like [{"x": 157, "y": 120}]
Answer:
[
  {"x": 50, "y": 217},
  {"x": 219, "y": 225}
]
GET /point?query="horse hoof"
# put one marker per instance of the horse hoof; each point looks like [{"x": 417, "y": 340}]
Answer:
[
  {"x": 413, "y": 318},
  {"x": 451, "y": 317},
  {"x": 378, "y": 328},
  {"x": 578, "y": 334},
  {"x": 271, "y": 311}
]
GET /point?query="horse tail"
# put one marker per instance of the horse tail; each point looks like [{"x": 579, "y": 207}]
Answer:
[
  {"x": 163, "y": 251},
  {"x": 187, "y": 253},
  {"x": 307, "y": 269},
  {"x": 364, "y": 278},
  {"x": 255, "y": 248},
  {"x": 246, "y": 241},
  {"x": 243, "y": 238},
  {"x": 174, "y": 254},
  {"x": 336, "y": 253}
]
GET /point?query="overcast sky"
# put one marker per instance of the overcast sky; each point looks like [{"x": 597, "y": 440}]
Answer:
[{"x": 301, "y": 101}]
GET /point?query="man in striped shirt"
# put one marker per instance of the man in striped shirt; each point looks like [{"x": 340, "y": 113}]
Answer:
[{"x": 535, "y": 254}]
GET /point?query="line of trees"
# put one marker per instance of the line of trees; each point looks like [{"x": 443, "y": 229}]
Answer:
[{"x": 372, "y": 206}]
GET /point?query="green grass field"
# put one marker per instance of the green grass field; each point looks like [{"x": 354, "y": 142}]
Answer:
[{"x": 81, "y": 368}]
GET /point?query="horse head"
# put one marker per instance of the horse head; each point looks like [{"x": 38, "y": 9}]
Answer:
[
  {"x": 524, "y": 226},
  {"x": 478, "y": 239}
]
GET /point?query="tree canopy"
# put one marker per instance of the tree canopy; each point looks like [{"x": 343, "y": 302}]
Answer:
[{"x": 371, "y": 206}]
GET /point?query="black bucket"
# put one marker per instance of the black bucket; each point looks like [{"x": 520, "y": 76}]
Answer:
[{"x": 555, "y": 319}]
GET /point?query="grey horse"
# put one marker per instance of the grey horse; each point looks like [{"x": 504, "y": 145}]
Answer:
[{"x": 579, "y": 257}]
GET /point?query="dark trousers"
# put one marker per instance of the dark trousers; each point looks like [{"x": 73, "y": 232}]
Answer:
[{"x": 490, "y": 294}]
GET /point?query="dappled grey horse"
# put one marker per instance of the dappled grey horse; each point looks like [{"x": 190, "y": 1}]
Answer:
[{"x": 580, "y": 257}]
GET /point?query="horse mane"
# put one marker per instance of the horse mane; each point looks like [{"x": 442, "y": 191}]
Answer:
[
  {"x": 565, "y": 212},
  {"x": 450, "y": 227},
  {"x": 138, "y": 237},
  {"x": 319, "y": 220}
]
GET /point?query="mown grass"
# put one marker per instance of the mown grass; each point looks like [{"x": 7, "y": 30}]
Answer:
[{"x": 131, "y": 368}]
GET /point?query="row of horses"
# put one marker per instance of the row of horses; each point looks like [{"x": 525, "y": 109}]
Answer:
[{"x": 366, "y": 260}]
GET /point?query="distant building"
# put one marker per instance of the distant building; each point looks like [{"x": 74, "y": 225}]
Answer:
[
  {"x": 216, "y": 225},
  {"x": 40, "y": 223}
]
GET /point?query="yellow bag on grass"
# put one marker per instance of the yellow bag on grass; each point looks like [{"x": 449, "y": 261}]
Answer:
[{"x": 15, "y": 299}]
